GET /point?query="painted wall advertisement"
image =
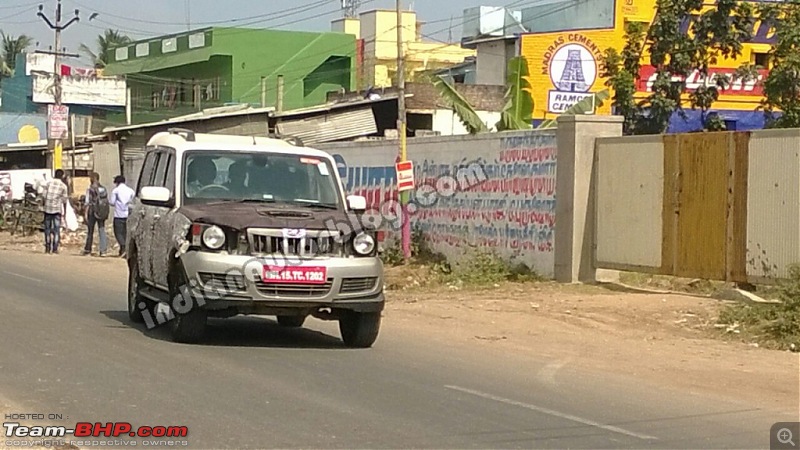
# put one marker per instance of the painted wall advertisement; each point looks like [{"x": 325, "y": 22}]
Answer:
[
  {"x": 496, "y": 194},
  {"x": 565, "y": 69}
]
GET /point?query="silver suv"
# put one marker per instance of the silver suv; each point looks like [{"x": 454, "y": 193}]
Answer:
[{"x": 228, "y": 225}]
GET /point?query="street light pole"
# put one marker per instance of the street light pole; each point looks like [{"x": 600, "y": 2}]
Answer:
[
  {"x": 58, "y": 28},
  {"x": 401, "y": 130}
]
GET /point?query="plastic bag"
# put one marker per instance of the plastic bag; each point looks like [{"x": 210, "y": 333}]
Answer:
[{"x": 70, "y": 219}]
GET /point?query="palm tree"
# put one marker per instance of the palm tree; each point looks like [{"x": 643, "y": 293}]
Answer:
[
  {"x": 11, "y": 47},
  {"x": 107, "y": 41}
]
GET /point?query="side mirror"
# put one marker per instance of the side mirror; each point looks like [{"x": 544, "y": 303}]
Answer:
[
  {"x": 156, "y": 196},
  {"x": 357, "y": 203}
]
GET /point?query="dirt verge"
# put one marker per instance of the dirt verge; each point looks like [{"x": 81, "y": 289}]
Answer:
[{"x": 668, "y": 339}]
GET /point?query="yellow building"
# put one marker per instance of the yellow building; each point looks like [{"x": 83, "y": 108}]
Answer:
[
  {"x": 376, "y": 32},
  {"x": 565, "y": 67}
]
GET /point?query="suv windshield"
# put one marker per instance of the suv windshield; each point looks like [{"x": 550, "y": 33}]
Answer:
[{"x": 261, "y": 177}]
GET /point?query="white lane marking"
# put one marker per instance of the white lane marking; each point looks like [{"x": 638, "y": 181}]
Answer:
[
  {"x": 23, "y": 276},
  {"x": 548, "y": 372},
  {"x": 552, "y": 413}
]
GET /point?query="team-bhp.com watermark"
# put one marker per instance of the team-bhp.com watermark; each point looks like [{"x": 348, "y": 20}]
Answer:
[
  {"x": 388, "y": 214},
  {"x": 86, "y": 434}
]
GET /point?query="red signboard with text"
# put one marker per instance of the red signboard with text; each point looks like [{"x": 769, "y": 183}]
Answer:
[
  {"x": 739, "y": 87},
  {"x": 405, "y": 175}
]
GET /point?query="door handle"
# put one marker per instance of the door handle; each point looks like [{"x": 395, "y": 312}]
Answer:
[
  {"x": 156, "y": 216},
  {"x": 141, "y": 212}
]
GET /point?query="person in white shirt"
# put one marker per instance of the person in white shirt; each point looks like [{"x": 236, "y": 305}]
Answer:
[{"x": 120, "y": 199}]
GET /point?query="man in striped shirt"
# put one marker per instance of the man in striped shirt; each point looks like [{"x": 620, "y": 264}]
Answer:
[{"x": 55, "y": 200}]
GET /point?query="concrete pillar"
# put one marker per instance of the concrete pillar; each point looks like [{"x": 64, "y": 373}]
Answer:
[{"x": 575, "y": 219}]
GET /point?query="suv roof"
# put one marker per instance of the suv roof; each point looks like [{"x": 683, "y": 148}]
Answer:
[{"x": 183, "y": 140}]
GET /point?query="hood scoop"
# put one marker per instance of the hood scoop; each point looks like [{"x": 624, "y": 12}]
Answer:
[{"x": 285, "y": 213}]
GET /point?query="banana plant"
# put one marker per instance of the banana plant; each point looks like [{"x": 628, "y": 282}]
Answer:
[
  {"x": 465, "y": 112},
  {"x": 518, "y": 111}
]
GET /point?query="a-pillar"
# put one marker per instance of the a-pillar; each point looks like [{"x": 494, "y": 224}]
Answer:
[{"x": 575, "y": 217}]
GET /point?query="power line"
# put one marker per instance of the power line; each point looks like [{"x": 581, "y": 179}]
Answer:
[
  {"x": 140, "y": 77},
  {"x": 20, "y": 5},
  {"x": 14, "y": 15},
  {"x": 279, "y": 13},
  {"x": 307, "y": 57},
  {"x": 329, "y": 50}
]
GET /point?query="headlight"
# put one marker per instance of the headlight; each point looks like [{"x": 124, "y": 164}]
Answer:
[
  {"x": 363, "y": 244},
  {"x": 214, "y": 237}
]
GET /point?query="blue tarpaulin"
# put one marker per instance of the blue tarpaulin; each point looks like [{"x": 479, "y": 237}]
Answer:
[{"x": 735, "y": 120}]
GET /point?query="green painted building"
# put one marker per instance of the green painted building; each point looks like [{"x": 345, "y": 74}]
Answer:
[{"x": 183, "y": 73}]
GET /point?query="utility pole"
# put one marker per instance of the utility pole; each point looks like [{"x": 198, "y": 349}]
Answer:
[
  {"x": 401, "y": 130},
  {"x": 279, "y": 99},
  {"x": 58, "y": 28},
  {"x": 263, "y": 92},
  {"x": 72, "y": 137}
]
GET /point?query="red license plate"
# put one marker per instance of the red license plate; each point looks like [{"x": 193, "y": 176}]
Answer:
[{"x": 300, "y": 274}]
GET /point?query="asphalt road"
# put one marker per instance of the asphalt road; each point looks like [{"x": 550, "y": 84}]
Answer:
[{"x": 66, "y": 347}]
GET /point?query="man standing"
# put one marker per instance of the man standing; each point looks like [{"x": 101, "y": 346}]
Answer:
[
  {"x": 55, "y": 200},
  {"x": 120, "y": 199},
  {"x": 96, "y": 214}
]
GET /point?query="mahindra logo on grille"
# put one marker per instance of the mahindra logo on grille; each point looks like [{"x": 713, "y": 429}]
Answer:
[{"x": 294, "y": 233}]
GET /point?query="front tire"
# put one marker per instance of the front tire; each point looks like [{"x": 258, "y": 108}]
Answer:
[
  {"x": 359, "y": 330},
  {"x": 189, "y": 327},
  {"x": 291, "y": 321},
  {"x": 134, "y": 298}
]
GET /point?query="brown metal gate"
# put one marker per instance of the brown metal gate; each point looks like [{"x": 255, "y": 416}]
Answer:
[{"x": 703, "y": 215}]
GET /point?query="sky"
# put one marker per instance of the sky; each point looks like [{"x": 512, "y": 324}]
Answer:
[{"x": 156, "y": 17}]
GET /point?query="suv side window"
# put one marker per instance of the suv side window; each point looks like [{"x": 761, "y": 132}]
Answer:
[
  {"x": 169, "y": 182},
  {"x": 146, "y": 175},
  {"x": 161, "y": 168}
]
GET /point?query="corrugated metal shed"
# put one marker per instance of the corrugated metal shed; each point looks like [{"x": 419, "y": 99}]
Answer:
[{"x": 330, "y": 127}]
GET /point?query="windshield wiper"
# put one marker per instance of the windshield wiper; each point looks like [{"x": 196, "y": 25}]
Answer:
[
  {"x": 311, "y": 203},
  {"x": 243, "y": 200}
]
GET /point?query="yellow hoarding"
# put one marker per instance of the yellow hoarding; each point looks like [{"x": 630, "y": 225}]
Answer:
[{"x": 565, "y": 68}]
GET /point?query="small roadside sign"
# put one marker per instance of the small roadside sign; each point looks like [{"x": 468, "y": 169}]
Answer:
[
  {"x": 405, "y": 175},
  {"x": 57, "y": 121}
]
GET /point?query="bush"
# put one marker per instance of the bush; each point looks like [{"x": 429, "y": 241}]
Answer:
[
  {"x": 392, "y": 256},
  {"x": 477, "y": 266},
  {"x": 775, "y": 325},
  {"x": 480, "y": 266},
  {"x": 421, "y": 252}
]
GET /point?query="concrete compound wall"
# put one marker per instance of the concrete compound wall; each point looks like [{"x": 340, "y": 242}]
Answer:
[{"x": 495, "y": 190}]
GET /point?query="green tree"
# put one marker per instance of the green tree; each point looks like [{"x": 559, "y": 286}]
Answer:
[
  {"x": 11, "y": 47},
  {"x": 782, "y": 85},
  {"x": 622, "y": 71},
  {"x": 716, "y": 33},
  {"x": 109, "y": 40}
]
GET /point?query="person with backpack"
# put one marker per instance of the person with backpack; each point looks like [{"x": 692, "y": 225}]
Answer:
[{"x": 97, "y": 211}]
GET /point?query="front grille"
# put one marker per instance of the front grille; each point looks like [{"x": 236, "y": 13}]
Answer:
[
  {"x": 352, "y": 285},
  {"x": 222, "y": 282},
  {"x": 294, "y": 289},
  {"x": 314, "y": 243}
]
